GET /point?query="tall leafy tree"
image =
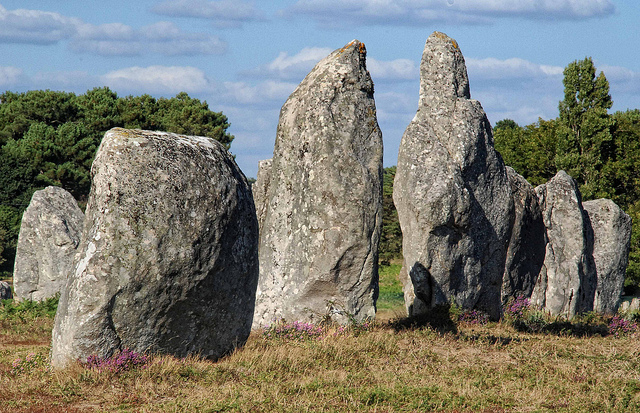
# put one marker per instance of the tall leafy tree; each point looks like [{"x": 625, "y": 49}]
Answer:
[
  {"x": 585, "y": 143},
  {"x": 626, "y": 184}
]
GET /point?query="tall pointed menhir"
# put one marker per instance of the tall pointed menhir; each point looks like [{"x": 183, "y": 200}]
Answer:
[
  {"x": 451, "y": 191},
  {"x": 322, "y": 210}
]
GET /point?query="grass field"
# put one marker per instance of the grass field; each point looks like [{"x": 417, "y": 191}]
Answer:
[{"x": 436, "y": 365}]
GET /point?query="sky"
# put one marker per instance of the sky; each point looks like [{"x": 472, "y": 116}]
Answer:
[{"x": 246, "y": 57}]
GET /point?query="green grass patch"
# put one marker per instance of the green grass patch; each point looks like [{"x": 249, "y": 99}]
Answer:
[
  {"x": 27, "y": 309},
  {"x": 391, "y": 296}
]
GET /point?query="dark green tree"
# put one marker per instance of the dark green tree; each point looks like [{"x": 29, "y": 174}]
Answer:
[
  {"x": 530, "y": 150},
  {"x": 19, "y": 110},
  {"x": 626, "y": 184},
  {"x": 391, "y": 236},
  {"x": 50, "y": 138},
  {"x": 585, "y": 144}
]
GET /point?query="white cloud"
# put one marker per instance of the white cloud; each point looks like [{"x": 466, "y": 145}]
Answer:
[
  {"x": 35, "y": 26},
  {"x": 624, "y": 86},
  {"x": 415, "y": 12},
  {"x": 162, "y": 37},
  {"x": 513, "y": 68},
  {"x": 158, "y": 79},
  {"x": 399, "y": 69},
  {"x": 265, "y": 93},
  {"x": 222, "y": 13},
  {"x": 294, "y": 67},
  {"x": 543, "y": 9},
  {"x": 113, "y": 31},
  {"x": 10, "y": 75},
  {"x": 112, "y": 39},
  {"x": 621, "y": 79}
]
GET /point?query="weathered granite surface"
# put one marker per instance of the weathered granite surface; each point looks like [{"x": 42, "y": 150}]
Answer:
[
  {"x": 260, "y": 189},
  {"x": 5, "y": 291},
  {"x": 451, "y": 190},
  {"x": 526, "y": 251},
  {"x": 567, "y": 281},
  {"x": 49, "y": 235},
  {"x": 168, "y": 260},
  {"x": 319, "y": 238},
  {"x": 611, "y": 241}
]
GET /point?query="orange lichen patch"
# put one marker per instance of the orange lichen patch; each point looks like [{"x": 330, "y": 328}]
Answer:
[
  {"x": 443, "y": 36},
  {"x": 347, "y": 46},
  {"x": 440, "y": 35},
  {"x": 362, "y": 48}
]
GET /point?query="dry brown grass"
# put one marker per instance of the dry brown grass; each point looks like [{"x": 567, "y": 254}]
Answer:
[{"x": 477, "y": 368}]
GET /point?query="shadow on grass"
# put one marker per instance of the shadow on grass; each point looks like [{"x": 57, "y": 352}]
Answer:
[
  {"x": 563, "y": 328},
  {"x": 437, "y": 319},
  {"x": 491, "y": 339}
]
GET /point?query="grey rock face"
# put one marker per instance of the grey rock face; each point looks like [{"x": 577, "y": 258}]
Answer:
[
  {"x": 632, "y": 305},
  {"x": 451, "y": 190},
  {"x": 168, "y": 259},
  {"x": 611, "y": 240},
  {"x": 260, "y": 189},
  {"x": 319, "y": 239},
  {"x": 5, "y": 291},
  {"x": 526, "y": 251},
  {"x": 566, "y": 283},
  {"x": 49, "y": 235}
]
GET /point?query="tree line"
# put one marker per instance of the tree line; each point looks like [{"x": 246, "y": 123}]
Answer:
[
  {"x": 601, "y": 151},
  {"x": 50, "y": 138}
]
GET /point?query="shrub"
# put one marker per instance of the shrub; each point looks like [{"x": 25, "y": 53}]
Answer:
[
  {"x": 475, "y": 317},
  {"x": 620, "y": 326},
  {"x": 519, "y": 313},
  {"x": 517, "y": 308},
  {"x": 296, "y": 331},
  {"x": 125, "y": 360},
  {"x": 27, "y": 309},
  {"x": 30, "y": 363}
]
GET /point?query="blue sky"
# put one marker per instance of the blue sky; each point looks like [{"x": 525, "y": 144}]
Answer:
[{"x": 245, "y": 57}]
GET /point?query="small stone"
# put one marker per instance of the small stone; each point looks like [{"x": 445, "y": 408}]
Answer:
[
  {"x": 567, "y": 281},
  {"x": 49, "y": 235},
  {"x": 5, "y": 291},
  {"x": 526, "y": 251},
  {"x": 611, "y": 241}
]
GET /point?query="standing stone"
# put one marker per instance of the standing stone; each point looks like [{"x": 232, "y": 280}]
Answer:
[
  {"x": 5, "y": 291},
  {"x": 451, "y": 190},
  {"x": 49, "y": 235},
  {"x": 526, "y": 251},
  {"x": 260, "y": 189},
  {"x": 611, "y": 240},
  {"x": 630, "y": 305},
  {"x": 567, "y": 281},
  {"x": 168, "y": 259},
  {"x": 319, "y": 243}
]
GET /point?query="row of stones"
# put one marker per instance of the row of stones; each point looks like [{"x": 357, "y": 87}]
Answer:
[{"x": 167, "y": 260}]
